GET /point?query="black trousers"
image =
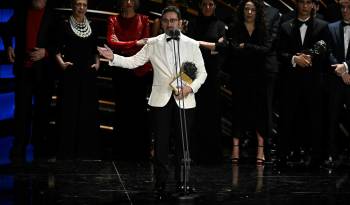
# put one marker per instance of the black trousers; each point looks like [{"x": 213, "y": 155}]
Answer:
[
  {"x": 166, "y": 123},
  {"x": 301, "y": 112},
  {"x": 270, "y": 80},
  {"x": 339, "y": 93},
  {"x": 35, "y": 85}
]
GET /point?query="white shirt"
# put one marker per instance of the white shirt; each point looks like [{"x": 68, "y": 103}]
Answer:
[
  {"x": 346, "y": 38},
  {"x": 302, "y": 29},
  {"x": 346, "y": 44},
  {"x": 170, "y": 54}
]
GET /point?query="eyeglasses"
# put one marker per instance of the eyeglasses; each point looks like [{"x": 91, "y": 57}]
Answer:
[
  {"x": 343, "y": 8},
  {"x": 167, "y": 21}
]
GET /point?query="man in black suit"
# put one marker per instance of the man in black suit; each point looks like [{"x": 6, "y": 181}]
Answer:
[
  {"x": 31, "y": 27},
  {"x": 302, "y": 81},
  {"x": 340, "y": 80}
]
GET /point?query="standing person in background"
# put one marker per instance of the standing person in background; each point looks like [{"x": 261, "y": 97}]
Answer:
[
  {"x": 164, "y": 101},
  {"x": 302, "y": 84},
  {"x": 332, "y": 13},
  {"x": 125, "y": 35},
  {"x": 32, "y": 26},
  {"x": 340, "y": 80},
  {"x": 206, "y": 27},
  {"x": 77, "y": 99},
  {"x": 247, "y": 40}
]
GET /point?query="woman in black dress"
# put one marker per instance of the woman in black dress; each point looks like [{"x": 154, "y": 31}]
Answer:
[
  {"x": 246, "y": 43},
  {"x": 207, "y": 27},
  {"x": 78, "y": 59}
]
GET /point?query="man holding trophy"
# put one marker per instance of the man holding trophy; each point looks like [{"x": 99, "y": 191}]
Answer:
[
  {"x": 304, "y": 64},
  {"x": 172, "y": 99}
]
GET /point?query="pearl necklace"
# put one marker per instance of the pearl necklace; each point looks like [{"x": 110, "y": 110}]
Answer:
[{"x": 83, "y": 29}]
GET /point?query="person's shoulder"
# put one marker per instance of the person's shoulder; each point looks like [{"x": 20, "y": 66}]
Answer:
[
  {"x": 156, "y": 39},
  {"x": 288, "y": 23},
  {"x": 188, "y": 41},
  {"x": 321, "y": 22},
  {"x": 144, "y": 18},
  {"x": 271, "y": 10},
  {"x": 334, "y": 24}
]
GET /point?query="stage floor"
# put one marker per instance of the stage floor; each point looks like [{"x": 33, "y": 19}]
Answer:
[{"x": 116, "y": 182}]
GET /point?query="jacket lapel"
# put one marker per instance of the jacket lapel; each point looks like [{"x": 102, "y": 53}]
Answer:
[
  {"x": 339, "y": 37},
  {"x": 295, "y": 31},
  {"x": 308, "y": 35}
]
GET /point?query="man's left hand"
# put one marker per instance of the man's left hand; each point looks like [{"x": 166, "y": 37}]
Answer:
[
  {"x": 339, "y": 69},
  {"x": 37, "y": 54},
  {"x": 183, "y": 92}
]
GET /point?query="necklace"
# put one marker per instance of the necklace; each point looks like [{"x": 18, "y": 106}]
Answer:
[{"x": 83, "y": 29}]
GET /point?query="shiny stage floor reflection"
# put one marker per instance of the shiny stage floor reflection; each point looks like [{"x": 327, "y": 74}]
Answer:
[{"x": 107, "y": 182}]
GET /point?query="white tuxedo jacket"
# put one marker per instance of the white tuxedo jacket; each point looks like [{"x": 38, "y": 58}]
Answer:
[{"x": 160, "y": 53}]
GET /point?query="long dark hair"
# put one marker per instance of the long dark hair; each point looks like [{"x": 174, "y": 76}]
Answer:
[{"x": 260, "y": 25}]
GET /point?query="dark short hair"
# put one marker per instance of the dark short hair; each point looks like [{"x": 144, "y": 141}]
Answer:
[{"x": 172, "y": 9}]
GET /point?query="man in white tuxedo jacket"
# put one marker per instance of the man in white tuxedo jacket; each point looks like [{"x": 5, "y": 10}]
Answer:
[{"x": 162, "y": 51}]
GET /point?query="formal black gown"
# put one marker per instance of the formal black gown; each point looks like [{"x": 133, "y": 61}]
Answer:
[
  {"x": 208, "y": 126},
  {"x": 247, "y": 68},
  {"x": 77, "y": 99}
]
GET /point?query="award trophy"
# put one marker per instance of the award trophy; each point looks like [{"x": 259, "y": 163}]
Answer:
[
  {"x": 319, "y": 48},
  {"x": 185, "y": 77}
]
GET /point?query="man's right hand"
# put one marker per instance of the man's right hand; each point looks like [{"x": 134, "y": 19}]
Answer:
[
  {"x": 303, "y": 60},
  {"x": 11, "y": 54},
  {"x": 142, "y": 42},
  {"x": 346, "y": 78},
  {"x": 106, "y": 52}
]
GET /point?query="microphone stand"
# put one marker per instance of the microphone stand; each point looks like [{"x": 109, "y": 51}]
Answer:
[{"x": 185, "y": 162}]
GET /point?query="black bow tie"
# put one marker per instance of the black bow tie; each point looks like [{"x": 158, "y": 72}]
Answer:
[
  {"x": 343, "y": 23},
  {"x": 300, "y": 23},
  {"x": 176, "y": 38}
]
